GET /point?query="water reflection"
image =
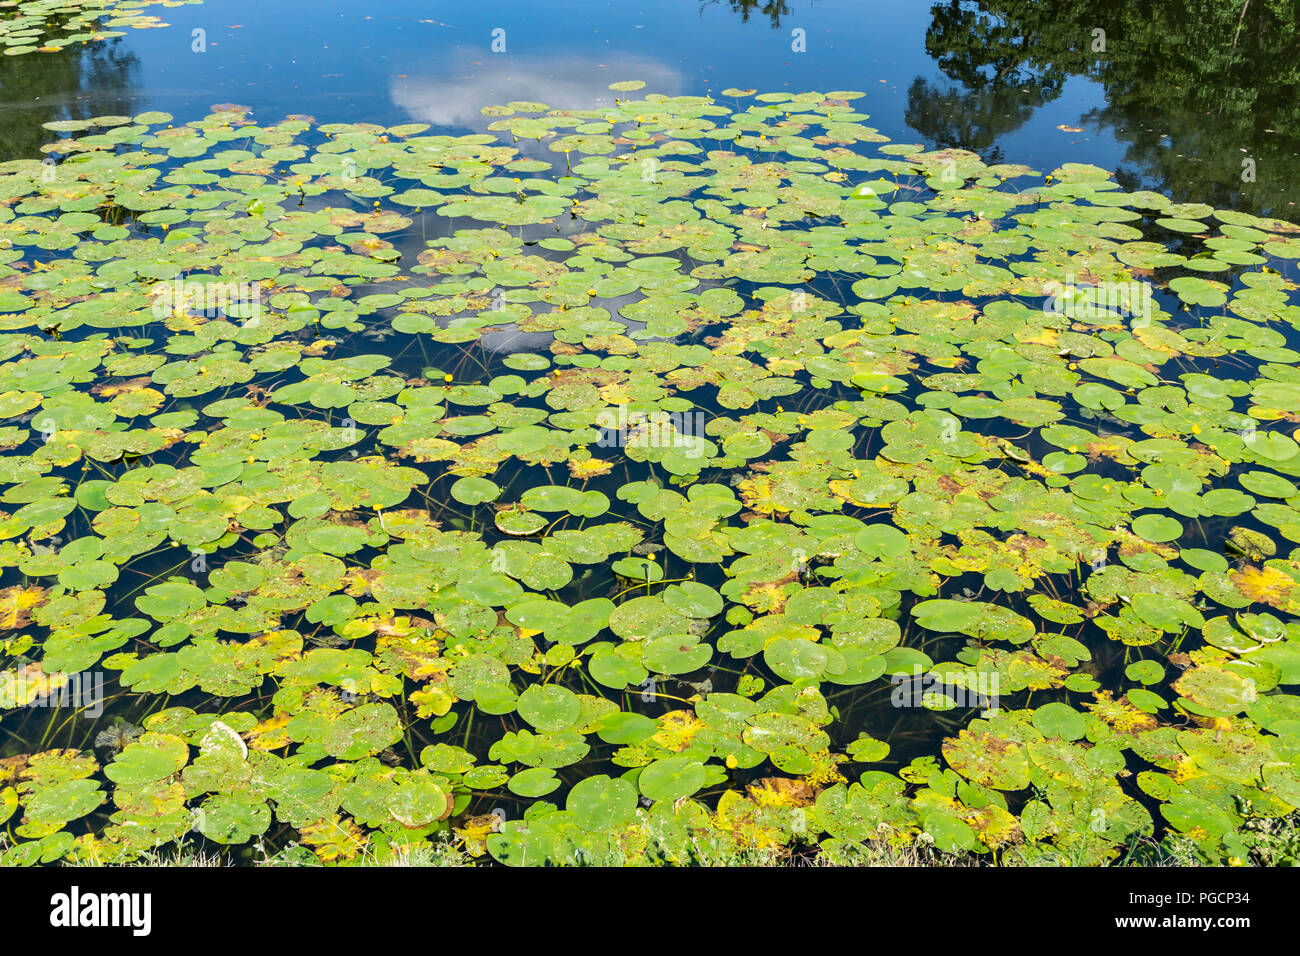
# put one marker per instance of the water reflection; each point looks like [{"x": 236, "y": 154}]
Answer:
[
  {"x": 1192, "y": 88},
  {"x": 1181, "y": 92},
  {"x": 970, "y": 119},
  {"x": 774, "y": 10},
  {"x": 473, "y": 80},
  {"x": 92, "y": 79}
]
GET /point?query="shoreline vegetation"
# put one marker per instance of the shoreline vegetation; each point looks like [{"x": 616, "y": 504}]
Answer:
[{"x": 1271, "y": 844}]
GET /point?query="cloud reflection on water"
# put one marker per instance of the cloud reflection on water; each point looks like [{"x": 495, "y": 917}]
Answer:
[{"x": 473, "y": 79}]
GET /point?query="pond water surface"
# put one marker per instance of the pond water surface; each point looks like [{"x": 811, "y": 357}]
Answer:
[
  {"x": 865, "y": 358},
  {"x": 1169, "y": 107}
]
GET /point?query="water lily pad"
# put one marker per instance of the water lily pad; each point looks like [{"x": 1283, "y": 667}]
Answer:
[{"x": 671, "y": 778}]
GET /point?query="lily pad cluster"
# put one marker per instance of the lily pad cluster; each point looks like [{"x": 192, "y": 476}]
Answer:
[
  {"x": 604, "y": 484},
  {"x": 48, "y": 26}
]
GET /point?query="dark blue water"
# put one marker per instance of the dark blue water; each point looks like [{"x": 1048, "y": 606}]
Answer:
[{"x": 1181, "y": 94}]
